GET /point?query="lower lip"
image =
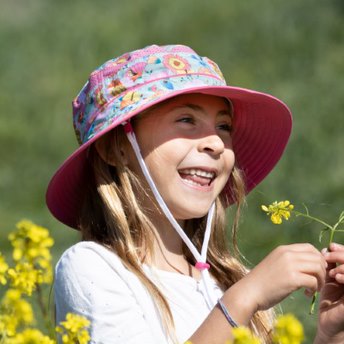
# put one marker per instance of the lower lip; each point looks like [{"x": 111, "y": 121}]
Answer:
[{"x": 203, "y": 188}]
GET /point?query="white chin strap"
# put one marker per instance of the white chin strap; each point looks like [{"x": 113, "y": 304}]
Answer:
[{"x": 201, "y": 258}]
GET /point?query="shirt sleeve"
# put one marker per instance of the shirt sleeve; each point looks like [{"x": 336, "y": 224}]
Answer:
[{"x": 89, "y": 285}]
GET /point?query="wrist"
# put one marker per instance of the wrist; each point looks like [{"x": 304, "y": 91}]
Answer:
[{"x": 239, "y": 305}]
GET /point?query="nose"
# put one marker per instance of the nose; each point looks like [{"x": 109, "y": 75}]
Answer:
[{"x": 211, "y": 144}]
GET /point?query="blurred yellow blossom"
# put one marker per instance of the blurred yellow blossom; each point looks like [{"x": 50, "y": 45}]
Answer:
[
  {"x": 3, "y": 269},
  {"x": 278, "y": 210},
  {"x": 30, "y": 336},
  {"x": 288, "y": 330},
  {"x": 242, "y": 335},
  {"x": 14, "y": 312},
  {"x": 32, "y": 258},
  {"x": 24, "y": 277},
  {"x": 31, "y": 251},
  {"x": 74, "y": 329},
  {"x": 31, "y": 242}
]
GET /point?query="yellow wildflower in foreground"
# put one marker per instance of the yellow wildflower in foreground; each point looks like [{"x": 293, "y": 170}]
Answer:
[
  {"x": 74, "y": 329},
  {"x": 242, "y": 335},
  {"x": 24, "y": 277},
  {"x": 31, "y": 251},
  {"x": 288, "y": 330},
  {"x": 3, "y": 269},
  {"x": 31, "y": 242},
  {"x": 278, "y": 210},
  {"x": 14, "y": 312},
  {"x": 30, "y": 336}
]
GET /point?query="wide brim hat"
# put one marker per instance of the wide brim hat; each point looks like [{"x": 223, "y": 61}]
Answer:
[{"x": 125, "y": 86}]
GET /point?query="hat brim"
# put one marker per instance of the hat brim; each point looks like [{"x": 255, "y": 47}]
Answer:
[{"x": 262, "y": 127}]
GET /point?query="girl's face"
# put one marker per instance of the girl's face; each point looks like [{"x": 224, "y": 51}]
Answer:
[{"x": 187, "y": 146}]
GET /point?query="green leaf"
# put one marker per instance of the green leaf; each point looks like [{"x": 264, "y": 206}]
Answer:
[
  {"x": 341, "y": 217},
  {"x": 307, "y": 211},
  {"x": 322, "y": 233}
]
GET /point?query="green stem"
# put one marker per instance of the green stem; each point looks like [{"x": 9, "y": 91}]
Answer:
[
  {"x": 44, "y": 310},
  {"x": 333, "y": 230},
  {"x": 313, "y": 218},
  {"x": 312, "y": 307}
]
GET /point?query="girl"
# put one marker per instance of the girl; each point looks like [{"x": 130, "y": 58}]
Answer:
[{"x": 166, "y": 146}]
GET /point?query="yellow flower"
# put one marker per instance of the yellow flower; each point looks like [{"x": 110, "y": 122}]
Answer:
[
  {"x": 31, "y": 248},
  {"x": 288, "y": 330},
  {"x": 278, "y": 210},
  {"x": 3, "y": 269},
  {"x": 74, "y": 329},
  {"x": 14, "y": 312},
  {"x": 24, "y": 277},
  {"x": 30, "y": 241},
  {"x": 242, "y": 335},
  {"x": 30, "y": 336}
]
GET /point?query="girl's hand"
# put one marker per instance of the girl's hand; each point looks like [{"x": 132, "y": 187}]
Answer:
[
  {"x": 331, "y": 308},
  {"x": 284, "y": 270}
]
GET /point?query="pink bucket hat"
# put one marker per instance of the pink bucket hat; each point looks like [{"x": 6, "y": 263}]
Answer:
[{"x": 125, "y": 86}]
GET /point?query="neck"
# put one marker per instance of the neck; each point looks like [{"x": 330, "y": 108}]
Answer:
[
  {"x": 168, "y": 249},
  {"x": 167, "y": 238}
]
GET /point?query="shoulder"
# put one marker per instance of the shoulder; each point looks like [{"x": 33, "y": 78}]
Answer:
[
  {"x": 88, "y": 255},
  {"x": 88, "y": 274},
  {"x": 92, "y": 281},
  {"x": 87, "y": 264}
]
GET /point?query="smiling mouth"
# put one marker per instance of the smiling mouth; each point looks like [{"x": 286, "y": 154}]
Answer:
[{"x": 197, "y": 177}]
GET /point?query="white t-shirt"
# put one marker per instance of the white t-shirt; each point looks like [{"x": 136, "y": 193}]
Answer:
[{"x": 92, "y": 281}]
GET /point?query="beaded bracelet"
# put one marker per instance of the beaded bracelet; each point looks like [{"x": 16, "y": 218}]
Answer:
[{"x": 226, "y": 314}]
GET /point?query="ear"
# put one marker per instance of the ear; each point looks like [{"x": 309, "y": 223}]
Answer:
[{"x": 107, "y": 153}]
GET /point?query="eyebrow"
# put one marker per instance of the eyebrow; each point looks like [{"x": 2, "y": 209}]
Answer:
[{"x": 200, "y": 109}]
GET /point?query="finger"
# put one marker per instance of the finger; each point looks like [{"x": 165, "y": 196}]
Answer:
[
  {"x": 309, "y": 282},
  {"x": 336, "y": 247},
  {"x": 334, "y": 256},
  {"x": 308, "y": 293},
  {"x": 338, "y": 270},
  {"x": 316, "y": 270},
  {"x": 311, "y": 258},
  {"x": 301, "y": 247},
  {"x": 339, "y": 278}
]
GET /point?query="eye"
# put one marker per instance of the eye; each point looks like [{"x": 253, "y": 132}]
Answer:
[
  {"x": 225, "y": 127},
  {"x": 186, "y": 119}
]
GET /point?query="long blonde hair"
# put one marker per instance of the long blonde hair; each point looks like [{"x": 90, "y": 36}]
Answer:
[{"x": 112, "y": 216}]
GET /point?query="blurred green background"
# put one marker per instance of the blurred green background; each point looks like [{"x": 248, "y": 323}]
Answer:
[{"x": 292, "y": 49}]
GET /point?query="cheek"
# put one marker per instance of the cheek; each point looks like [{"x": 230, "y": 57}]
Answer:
[
  {"x": 229, "y": 161},
  {"x": 161, "y": 164},
  {"x": 164, "y": 154}
]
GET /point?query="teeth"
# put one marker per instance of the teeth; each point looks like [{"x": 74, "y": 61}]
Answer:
[
  {"x": 199, "y": 173},
  {"x": 193, "y": 183}
]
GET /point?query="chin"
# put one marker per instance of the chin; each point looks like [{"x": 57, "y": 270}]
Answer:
[{"x": 189, "y": 214}]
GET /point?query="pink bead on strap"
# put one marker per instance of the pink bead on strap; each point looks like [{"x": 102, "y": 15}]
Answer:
[
  {"x": 127, "y": 127},
  {"x": 202, "y": 266}
]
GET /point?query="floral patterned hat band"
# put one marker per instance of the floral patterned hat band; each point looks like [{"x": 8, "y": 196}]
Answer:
[
  {"x": 137, "y": 79},
  {"x": 125, "y": 86}
]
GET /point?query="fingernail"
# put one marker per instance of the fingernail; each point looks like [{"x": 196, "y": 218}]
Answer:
[{"x": 334, "y": 245}]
